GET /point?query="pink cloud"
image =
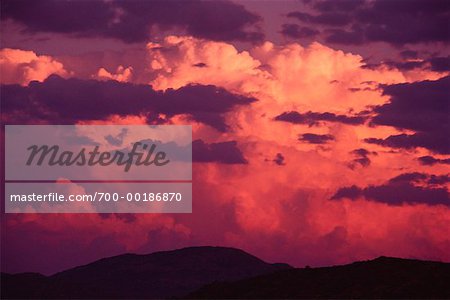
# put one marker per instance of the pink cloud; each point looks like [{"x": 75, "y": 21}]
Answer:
[{"x": 21, "y": 67}]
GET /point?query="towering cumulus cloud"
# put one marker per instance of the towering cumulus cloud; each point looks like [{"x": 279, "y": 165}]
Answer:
[{"x": 21, "y": 67}]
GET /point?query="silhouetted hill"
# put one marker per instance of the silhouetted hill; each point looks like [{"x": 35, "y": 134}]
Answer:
[
  {"x": 23, "y": 285},
  {"x": 384, "y": 277},
  {"x": 157, "y": 275},
  {"x": 217, "y": 272}
]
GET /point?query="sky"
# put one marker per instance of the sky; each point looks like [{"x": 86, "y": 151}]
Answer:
[{"x": 324, "y": 123}]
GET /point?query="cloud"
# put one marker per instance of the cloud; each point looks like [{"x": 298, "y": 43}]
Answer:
[
  {"x": 408, "y": 54},
  {"x": 68, "y": 101},
  {"x": 439, "y": 64},
  {"x": 279, "y": 76},
  {"x": 342, "y": 5},
  {"x": 21, "y": 67},
  {"x": 118, "y": 139},
  {"x": 312, "y": 118},
  {"x": 122, "y": 74},
  {"x": 434, "y": 142},
  {"x": 279, "y": 159},
  {"x": 177, "y": 61},
  {"x": 406, "y": 65},
  {"x": 331, "y": 19},
  {"x": 419, "y": 106},
  {"x": 136, "y": 21},
  {"x": 401, "y": 190},
  {"x": 222, "y": 152},
  {"x": 409, "y": 177},
  {"x": 200, "y": 65},
  {"x": 430, "y": 160},
  {"x": 340, "y": 36},
  {"x": 316, "y": 138},
  {"x": 297, "y": 32},
  {"x": 393, "y": 22},
  {"x": 361, "y": 158},
  {"x": 439, "y": 179}
]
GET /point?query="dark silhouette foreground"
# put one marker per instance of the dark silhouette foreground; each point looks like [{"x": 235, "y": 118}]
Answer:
[
  {"x": 217, "y": 272},
  {"x": 164, "y": 274},
  {"x": 381, "y": 278}
]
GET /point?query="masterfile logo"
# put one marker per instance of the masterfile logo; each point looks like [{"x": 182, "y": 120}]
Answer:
[
  {"x": 107, "y": 168},
  {"x": 53, "y": 156},
  {"x": 98, "y": 152}
]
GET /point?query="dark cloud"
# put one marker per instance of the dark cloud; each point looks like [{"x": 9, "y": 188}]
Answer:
[
  {"x": 439, "y": 179},
  {"x": 364, "y": 161},
  {"x": 118, "y": 139},
  {"x": 440, "y": 63},
  {"x": 131, "y": 21},
  {"x": 66, "y": 101},
  {"x": 352, "y": 192},
  {"x": 405, "y": 65},
  {"x": 361, "y": 158},
  {"x": 431, "y": 141},
  {"x": 397, "y": 22},
  {"x": 332, "y": 19},
  {"x": 316, "y": 138},
  {"x": 362, "y": 152},
  {"x": 342, "y": 36},
  {"x": 339, "y": 5},
  {"x": 408, "y": 54},
  {"x": 222, "y": 152},
  {"x": 419, "y": 106},
  {"x": 401, "y": 190},
  {"x": 279, "y": 159},
  {"x": 297, "y": 32},
  {"x": 436, "y": 64},
  {"x": 200, "y": 65},
  {"x": 312, "y": 118},
  {"x": 423, "y": 178},
  {"x": 409, "y": 177},
  {"x": 430, "y": 160}
]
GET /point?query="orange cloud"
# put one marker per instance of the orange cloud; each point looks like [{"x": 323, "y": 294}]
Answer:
[
  {"x": 122, "y": 74},
  {"x": 21, "y": 67}
]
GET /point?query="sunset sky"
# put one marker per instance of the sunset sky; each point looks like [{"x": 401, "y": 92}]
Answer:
[{"x": 322, "y": 126}]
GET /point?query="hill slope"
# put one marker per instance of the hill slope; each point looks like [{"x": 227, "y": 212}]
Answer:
[
  {"x": 383, "y": 278},
  {"x": 157, "y": 275}
]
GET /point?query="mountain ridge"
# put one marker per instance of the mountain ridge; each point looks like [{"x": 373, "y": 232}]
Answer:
[
  {"x": 162, "y": 274},
  {"x": 380, "y": 278},
  {"x": 223, "y": 272}
]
